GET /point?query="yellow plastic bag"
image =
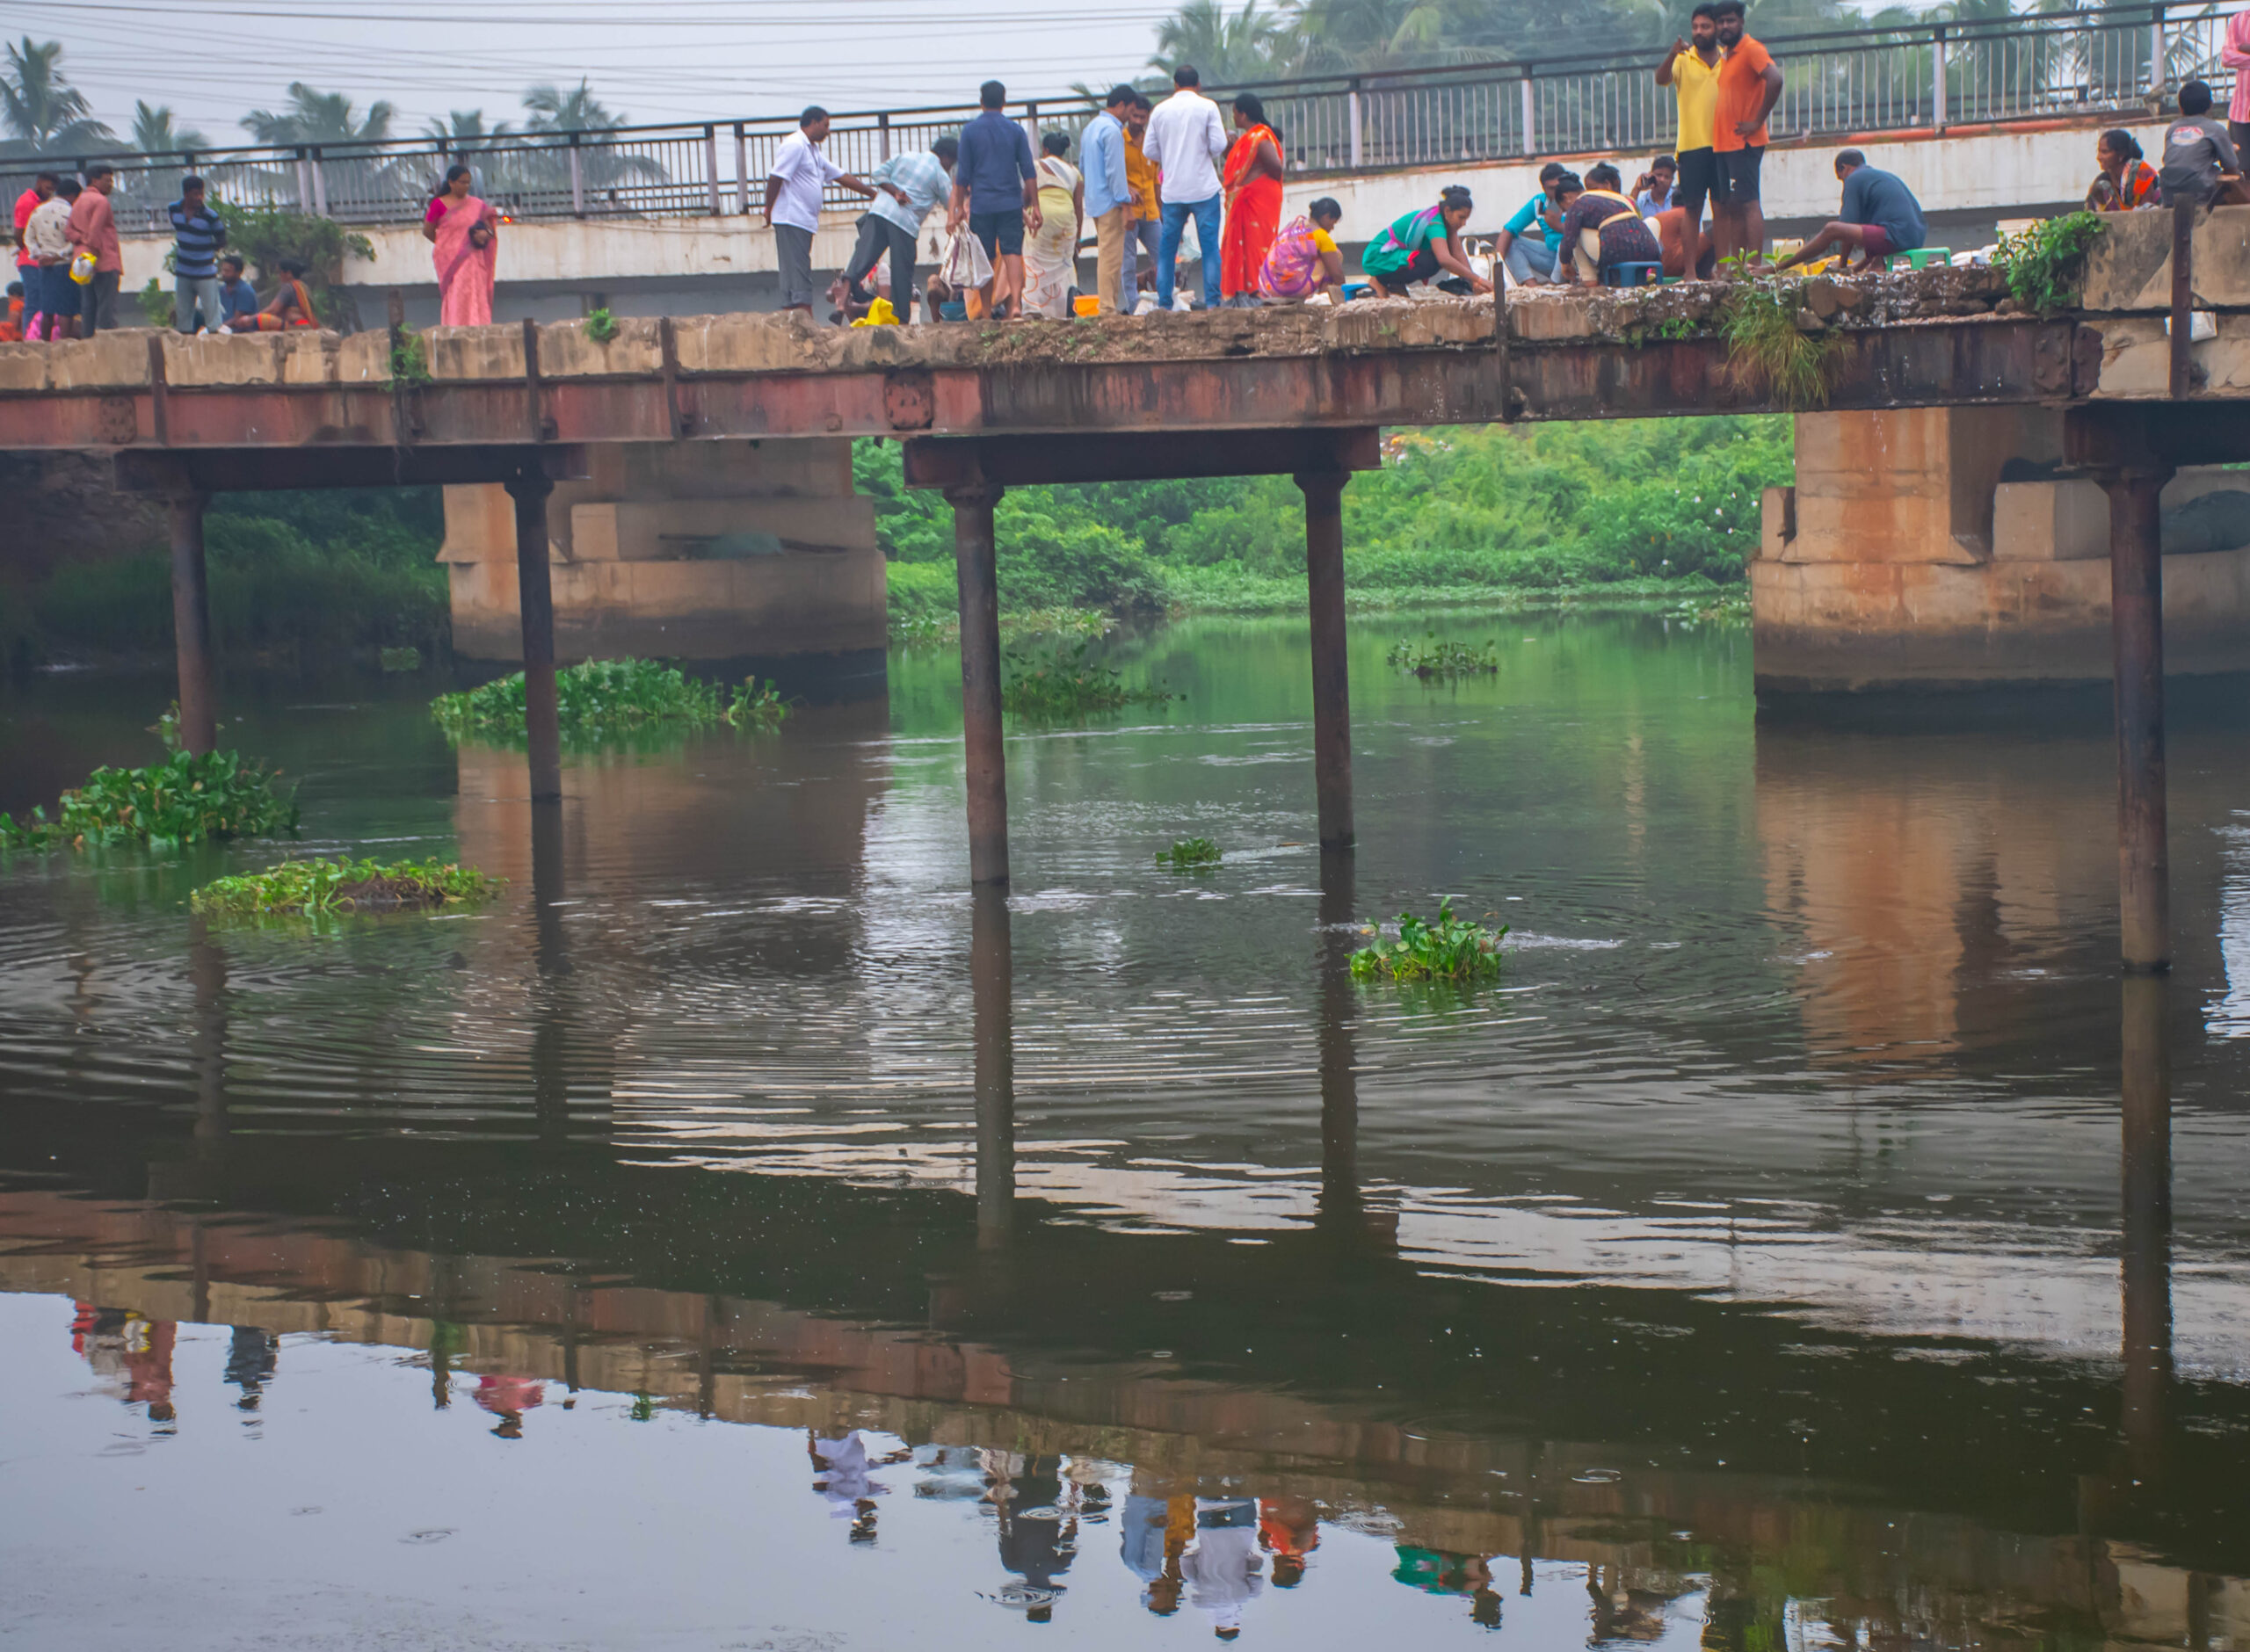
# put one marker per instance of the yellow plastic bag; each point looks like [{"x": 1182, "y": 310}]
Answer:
[
  {"x": 82, "y": 268},
  {"x": 880, "y": 314}
]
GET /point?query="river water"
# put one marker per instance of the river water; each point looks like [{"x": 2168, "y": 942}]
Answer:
[{"x": 738, "y": 1236}]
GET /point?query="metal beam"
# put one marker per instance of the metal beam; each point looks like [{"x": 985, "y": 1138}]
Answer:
[
  {"x": 266, "y": 469},
  {"x": 1019, "y": 461}
]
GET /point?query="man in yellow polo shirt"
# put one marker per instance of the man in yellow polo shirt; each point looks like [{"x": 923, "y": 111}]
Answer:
[
  {"x": 1692, "y": 71},
  {"x": 1143, "y": 224}
]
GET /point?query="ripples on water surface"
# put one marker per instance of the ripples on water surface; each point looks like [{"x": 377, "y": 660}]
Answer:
[{"x": 1745, "y": 1269}]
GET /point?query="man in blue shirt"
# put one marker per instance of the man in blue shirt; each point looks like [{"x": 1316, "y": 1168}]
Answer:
[
  {"x": 236, "y": 296},
  {"x": 1109, "y": 195},
  {"x": 1526, "y": 243},
  {"x": 908, "y": 189},
  {"x": 1879, "y": 216},
  {"x": 198, "y": 233},
  {"x": 995, "y": 193}
]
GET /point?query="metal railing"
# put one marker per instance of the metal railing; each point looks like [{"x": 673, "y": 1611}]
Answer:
[{"x": 2117, "y": 61}]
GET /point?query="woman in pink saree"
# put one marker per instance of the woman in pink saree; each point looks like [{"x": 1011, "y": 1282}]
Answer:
[{"x": 466, "y": 232}]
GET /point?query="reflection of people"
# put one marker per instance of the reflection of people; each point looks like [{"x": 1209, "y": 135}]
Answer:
[
  {"x": 841, "y": 1474},
  {"x": 1039, "y": 1537},
  {"x": 250, "y": 1358},
  {"x": 1436, "y": 1572},
  {"x": 1289, "y": 1528},
  {"x": 133, "y": 1353},
  {"x": 1222, "y": 1567},
  {"x": 508, "y": 1398}
]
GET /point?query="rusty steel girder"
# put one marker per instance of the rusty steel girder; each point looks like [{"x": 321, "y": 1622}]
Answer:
[{"x": 1971, "y": 362}]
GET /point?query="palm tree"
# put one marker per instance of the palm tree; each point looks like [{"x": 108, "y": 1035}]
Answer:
[
  {"x": 319, "y": 117},
  {"x": 555, "y": 110},
  {"x": 153, "y": 133},
  {"x": 1226, "y": 50},
  {"x": 45, "y": 112},
  {"x": 465, "y": 129}
]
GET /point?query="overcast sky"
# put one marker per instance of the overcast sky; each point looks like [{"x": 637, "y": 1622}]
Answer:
[{"x": 654, "y": 60}]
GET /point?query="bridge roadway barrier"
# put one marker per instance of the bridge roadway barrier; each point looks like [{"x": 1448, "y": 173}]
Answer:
[
  {"x": 1295, "y": 391},
  {"x": 550, "y": 269}
]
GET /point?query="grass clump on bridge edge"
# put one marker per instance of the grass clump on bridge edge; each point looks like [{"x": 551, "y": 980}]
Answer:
[
  {"x": 600, "y": 698},
  {"x": 1061, "y": 682},
  {"x": 1450, "y": 949},
  {"x": 2045, "y": 263},
  {"x": 184, "y": 800},
  {"x": 1770, "y": 351},
  {"x": 304, "y": 888}
]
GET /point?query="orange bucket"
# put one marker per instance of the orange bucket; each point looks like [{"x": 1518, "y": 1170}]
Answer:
[{"x": 1087, "y": 304}]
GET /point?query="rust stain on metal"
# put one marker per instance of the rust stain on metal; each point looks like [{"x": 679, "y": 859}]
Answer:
[{"x": 909, "y": 399}]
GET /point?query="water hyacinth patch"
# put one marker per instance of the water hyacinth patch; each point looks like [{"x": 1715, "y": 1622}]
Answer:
[
  {"x": 312, "y": 888},
  {"x": 1190, "y": 854},
  {"x": 601, "y": 697},
  {"x": 1430, "y": 657},
  {"x": 184, "y": 800},
  {"x": 1450, "y": 949},
  {"x": 1062, "y": 684}
]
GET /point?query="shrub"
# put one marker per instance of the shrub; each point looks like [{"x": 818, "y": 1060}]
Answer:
[{"x": 2043, "y": 263}]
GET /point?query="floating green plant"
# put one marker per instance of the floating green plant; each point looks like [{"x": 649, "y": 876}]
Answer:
[
  {"x": 1723, "y": 608},
  {"x": 310, "y": 887},
  {"x": 396, "y": 660},
  {"x": 1190, "y": 854},
  {"x": 184, "y": 800},
  {"x": 1448, "y": 950},
  {"x": 1062, "y": 684},
  {"x": 1430, "y": 657},
  {"x": 601, "y": 697}
]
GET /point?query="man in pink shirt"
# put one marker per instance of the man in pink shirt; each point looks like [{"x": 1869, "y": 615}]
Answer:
[
  {"x": 2235, "y": 54},
  {"x": 93, "y": 228}
]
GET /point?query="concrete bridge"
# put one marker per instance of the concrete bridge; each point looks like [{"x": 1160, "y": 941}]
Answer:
[{"x": 2128, "y": 394}]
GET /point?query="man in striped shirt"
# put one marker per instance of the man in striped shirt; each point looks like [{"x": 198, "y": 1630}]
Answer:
[
  {"x": 908, "y": 189},
  {"x": 198, "y": 233}
]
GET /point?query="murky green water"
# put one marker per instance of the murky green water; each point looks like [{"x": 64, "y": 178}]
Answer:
[{"x": 1783, "y": 1252}]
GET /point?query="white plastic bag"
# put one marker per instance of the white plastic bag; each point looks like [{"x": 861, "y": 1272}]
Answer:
[{"x": 966, "y": 267}]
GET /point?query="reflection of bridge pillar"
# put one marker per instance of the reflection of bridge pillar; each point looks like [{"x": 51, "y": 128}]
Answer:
[
  {"x": 709, "y": 551},
  {"x": 1343, "y": 1213},
  {"x": 549, "y": 1054},
  {"x": 2145, "y": 1265},
  {"x": 992, "y": 967}
]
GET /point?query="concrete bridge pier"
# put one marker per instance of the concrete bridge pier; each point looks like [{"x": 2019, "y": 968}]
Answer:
[{"x": 535, "y": 612}]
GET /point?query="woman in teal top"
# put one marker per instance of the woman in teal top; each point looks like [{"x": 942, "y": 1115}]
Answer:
[{"x": 1422, "y": 243}]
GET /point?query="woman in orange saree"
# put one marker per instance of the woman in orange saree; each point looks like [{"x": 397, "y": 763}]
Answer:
[
  {"x": 466, "y": 232},
  {"x": 1254, "y": 190}
]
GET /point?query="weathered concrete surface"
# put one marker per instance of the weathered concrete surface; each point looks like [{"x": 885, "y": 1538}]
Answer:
[
  {"x": 2128, "y": 267},
  {"x": 681, "y": 553},
  {"x": 1933, "y": 547}
]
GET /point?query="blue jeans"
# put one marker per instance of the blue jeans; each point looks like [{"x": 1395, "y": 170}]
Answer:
[
  {"x": 1529, "y": 260},
  {"x": 1207, "y": 215}
]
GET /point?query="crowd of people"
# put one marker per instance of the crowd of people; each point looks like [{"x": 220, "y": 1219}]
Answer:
[{"x": 1016, "y": 221}]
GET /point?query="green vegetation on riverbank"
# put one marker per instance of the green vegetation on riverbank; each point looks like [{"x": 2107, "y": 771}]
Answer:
[
  {"x": 1513, "y": 516},
  {"x": 308, "y": 574},
  {"x": 601, "y": 699},
  {"x": 310, "y": 887},
  {"x": 184, "y": 800}
]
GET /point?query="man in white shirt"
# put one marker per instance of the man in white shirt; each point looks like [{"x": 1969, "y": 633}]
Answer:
[
  {"x": 793, "y": 190},
  {"x": 1187, "y": 142}
]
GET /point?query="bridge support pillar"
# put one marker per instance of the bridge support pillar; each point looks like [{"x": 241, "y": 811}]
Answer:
[
  {"x": 1331, "y": 690},
  {"x": 2136, "y": 632},
  {"x": 199, "y": 717},
  {"x": 976, "y": 568},
  {"x": 535, "y": 611}
]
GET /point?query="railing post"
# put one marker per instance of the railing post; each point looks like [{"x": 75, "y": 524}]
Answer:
[
  {"x": 1031, "y": 125},
  {"x": 578, "y": 180},
  {"x": 883, "y": 136},
  {"x": 1530, "y": 115},
  {"x": 1352, "y": 102},
  {"x": 1937, "y": 79},
  {"x": 320, "y": 185},
  {"x": 742, "y": 171},
  {"x": 711, "y": 164},
  {"x": 304, "y": 181},
  {"x": 2156, "y": 51}
]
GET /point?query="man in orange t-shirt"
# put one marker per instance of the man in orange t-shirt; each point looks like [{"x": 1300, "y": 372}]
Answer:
[{"x": 1750, "y": 84}]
